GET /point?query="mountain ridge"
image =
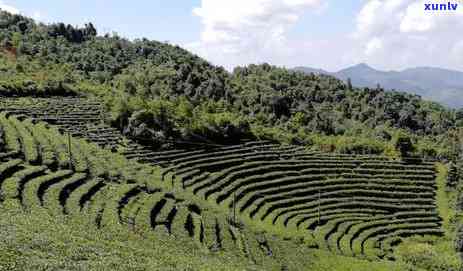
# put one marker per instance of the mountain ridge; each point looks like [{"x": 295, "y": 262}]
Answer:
[{"x": 433, "y": 83}]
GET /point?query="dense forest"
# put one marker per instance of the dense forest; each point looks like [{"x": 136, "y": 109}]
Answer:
[{"x": 162, "y": 94}]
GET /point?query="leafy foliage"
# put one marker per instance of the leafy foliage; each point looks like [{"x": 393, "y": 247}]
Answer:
[{"x": 161, "y": 93}]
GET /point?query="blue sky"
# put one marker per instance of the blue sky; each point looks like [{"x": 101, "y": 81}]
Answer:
[
  {"x": 329, "y": 34},
  {"x": 160, "y": 20},
  {"x": 171, "y": 20}
]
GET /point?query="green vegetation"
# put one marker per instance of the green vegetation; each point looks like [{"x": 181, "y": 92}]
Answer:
[
  {"x": 38, "y": 241},
  {"x": 158, "y": 93},
  {"x": 316, "y": 192},
  {"x": 117, "y": 209},
  {"x": 151, "y": 158},
  {"x": 437, "y": 253}
]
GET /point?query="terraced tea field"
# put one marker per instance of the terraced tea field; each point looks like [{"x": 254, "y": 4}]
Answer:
[
  {"x": 350, "y": 205},
  {"x": 39, "y": 171},
  {"x": 83, "y": 118},
  {"x": 80, "y": 117}
]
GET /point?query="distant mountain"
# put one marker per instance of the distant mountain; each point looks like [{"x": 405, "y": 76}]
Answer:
[{"x": 440, "y": 85}]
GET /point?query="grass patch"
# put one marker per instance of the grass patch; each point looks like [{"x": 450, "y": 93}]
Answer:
[{"x": 431, "y": 253}]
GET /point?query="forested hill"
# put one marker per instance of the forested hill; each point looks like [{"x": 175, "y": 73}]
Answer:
[
  {"x": 161, "y": 93},
  {"x": 101, "y": 58},
  {"x": 436, "y": 84}
]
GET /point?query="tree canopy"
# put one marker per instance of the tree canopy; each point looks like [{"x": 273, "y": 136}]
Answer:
[{"x": 161, "y": 93}]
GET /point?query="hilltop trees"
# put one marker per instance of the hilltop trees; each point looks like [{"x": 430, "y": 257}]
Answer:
[
  {"x": 281, "y": 92},
  {"x": 72, "y": 34},
  {"x": 459, "y": 117},
  {"x": 404, "y": 145},
  {"x": 203, "y": 102},
  {"x": 349, "y": 84}
]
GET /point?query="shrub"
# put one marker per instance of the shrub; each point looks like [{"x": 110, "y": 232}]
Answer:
[{"x": 426, "y": 256}]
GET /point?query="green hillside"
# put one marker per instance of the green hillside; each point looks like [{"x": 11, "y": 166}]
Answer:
[
  {"x": 138, "y": 155},
  {"x": 162, "y": 93},
  {"x": 97, "y": 199}
]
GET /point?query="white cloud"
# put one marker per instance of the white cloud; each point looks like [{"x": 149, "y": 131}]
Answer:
[
  {"x": 247, "y": 31},
  {"x": 374, "y": 45},
  {"x": 417, "y": 20},
  {"x": 388, "y": 34},
  {"x": 401, "y": 33},
  {"x": 36, "y": 15},
  {"x": 8, "y": 8}
]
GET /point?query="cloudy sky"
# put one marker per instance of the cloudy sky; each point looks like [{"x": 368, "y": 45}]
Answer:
[{"x": 328, "y": 34}]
